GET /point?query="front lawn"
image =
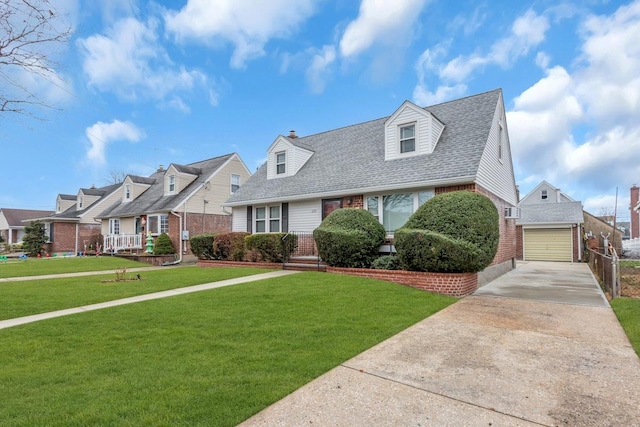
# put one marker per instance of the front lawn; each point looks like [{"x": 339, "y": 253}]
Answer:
[
  {"x": 42, "y": 266},
  {"x": 213, "y": 358},
  {"x": 628, "y": 312},
  {"x": 44, "y": 295}
]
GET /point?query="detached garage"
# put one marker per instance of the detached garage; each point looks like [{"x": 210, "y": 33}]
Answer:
[
  {"x": 549, "y": 226},
  {"x": 547, "y": 244}
]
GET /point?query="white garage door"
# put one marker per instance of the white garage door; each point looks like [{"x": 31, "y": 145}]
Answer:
[{"x": 547, "y": 244}]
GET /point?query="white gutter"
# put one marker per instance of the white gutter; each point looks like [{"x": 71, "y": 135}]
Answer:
[{"x": 179, "y": 234}]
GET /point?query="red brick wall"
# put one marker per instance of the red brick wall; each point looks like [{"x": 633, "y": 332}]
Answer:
[
  {"x": 575, "y": 235},
  {"x": 64, "y": 236},
  {"x": 197, "y": 224},
  {"x": 519, "y": 243},
  {"x": 356, "y": 202},
  {"x": 452, "y": 284},
  {"x": 635, "y": 216}
]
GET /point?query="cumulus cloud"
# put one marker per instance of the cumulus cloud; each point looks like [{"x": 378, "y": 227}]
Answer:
[
  {"x": 102, "y": 134},
  {"x": 247, "y": 25},
  {"x": 318, "y": 72},
  {"x": 580, "y": 126},
  {"x": 380, "y": 22},
  {"x": 130, "y": 62}
]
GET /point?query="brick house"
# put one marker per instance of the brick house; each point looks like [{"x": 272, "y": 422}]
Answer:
[
  {"x": 389, "y": 166},
  {"x": 182, "y": 200}
]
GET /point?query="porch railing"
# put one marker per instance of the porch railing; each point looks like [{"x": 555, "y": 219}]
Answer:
[{"x": 122, "y": 242}]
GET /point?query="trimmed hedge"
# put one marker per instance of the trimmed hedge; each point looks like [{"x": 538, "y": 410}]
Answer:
[
  {"x": 271, "y": 246},
  {"x": 163, "y": 245},
  {"x": 202, "y": 245},
  {"x": 229, "y": 246},
  {"x": 349, "y": 238},
  {"x": 455, "y": 232},
  {"x": 386, "y": 262}
]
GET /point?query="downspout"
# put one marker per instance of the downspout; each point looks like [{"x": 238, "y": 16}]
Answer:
[
  {"x": 77, "y": 237},
  {"x": 179, "y": 234}
]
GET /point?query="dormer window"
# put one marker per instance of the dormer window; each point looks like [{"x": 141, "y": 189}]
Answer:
[
  {"x": 235, "y": 183},
  {"x": 543, "y": 194},
  {"x": 281, "y": 163},
  {"x": 408, "y": 138},
  {"x": 127, "y": 192},
  {"x": 80, "y": 202},
  {"x": 172, "y": 183}
]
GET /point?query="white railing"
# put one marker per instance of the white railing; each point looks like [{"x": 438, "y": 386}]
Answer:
[{"x": 122, "y": 242}]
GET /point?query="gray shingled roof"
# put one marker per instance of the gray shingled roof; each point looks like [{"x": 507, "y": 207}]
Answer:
[
  {"x": 68, "y": 196},
  {"x": 154, "y": 200},
  {"x": 16, "y": 217},
  {"x": 352, "y": 158},
  {"x": 551, "y": 213},
  {"x": 72, "y": 213}
]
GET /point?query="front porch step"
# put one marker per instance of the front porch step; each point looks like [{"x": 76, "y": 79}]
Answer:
[{"x": 298, "y": 266}]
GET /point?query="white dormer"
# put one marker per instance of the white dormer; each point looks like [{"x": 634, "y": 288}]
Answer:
[
  {"x": 285, "y": 158},
  {"x": 411, "y": 131},
  {"x": 132, "y": 187}
]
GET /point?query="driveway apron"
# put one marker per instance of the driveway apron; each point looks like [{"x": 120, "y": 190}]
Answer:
[{"x": 538, "y": 346}]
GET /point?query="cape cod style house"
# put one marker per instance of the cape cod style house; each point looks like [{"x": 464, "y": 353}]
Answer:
[
  {"x": 388, "y": 166},
  {"x": 182, "y": 200},
  {"x": 13, "y": 221}
]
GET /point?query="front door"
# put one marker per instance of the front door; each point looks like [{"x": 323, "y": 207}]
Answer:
[{"x": 330, "y": 205}]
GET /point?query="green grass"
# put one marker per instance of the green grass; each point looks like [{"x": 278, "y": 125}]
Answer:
[
  {"x": 628, "y": 312},
  {"x": 629, "y": 263},
  {"x": 42, "y": 266},
  {"x": 208, "y": 359},
  {"x": 40, "y": 296}
]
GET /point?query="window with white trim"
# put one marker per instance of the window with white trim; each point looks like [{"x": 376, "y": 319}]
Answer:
[
  {"x": 114, "y": 226},
  {"x": 235, "y": 183},
  {"x": 172, "y": 183},
  {"x": 80, "y": 201},
  {"x": 157, "y": 224},
  {"x": 393, "y": 210},
  {"x": 408, "y": 138},
  {"x": 127, "y": 192},
  {"x": 500, "y": 139},
  {"x": 281, "y": 163},
  {"x": 543, "y": 194},
  {"x": 267, "y": 219}
]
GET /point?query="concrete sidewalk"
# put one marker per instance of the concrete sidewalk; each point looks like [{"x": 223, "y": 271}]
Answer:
[
  {"x": 510, "y": 356},
  {"x": 146, "y": 297},
  {"x": 83, "y": 273}
]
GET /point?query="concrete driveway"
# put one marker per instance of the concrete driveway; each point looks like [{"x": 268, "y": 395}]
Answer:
[{"x": 538, "y": 346}]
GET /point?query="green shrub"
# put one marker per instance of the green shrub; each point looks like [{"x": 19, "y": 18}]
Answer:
[
  {"x": 202, "y": 245},
  {"x": 386, "y": 262},
  {"x": 229, "y": 246},
  {"x": 163, "y": 245},
  {"x": 270, "y": 246},
  {"x": 349, "y": 238},
  {"x": 452, "y": 232}
]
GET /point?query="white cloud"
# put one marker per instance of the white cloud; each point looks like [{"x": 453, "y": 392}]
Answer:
[
  {"x": 248, "y": 25},
  {"x": 380, "y": 22},
  {"x": 318, "y": 72},
  {"x": 102, "y": 134},
  {"x": 422, "y": 96},
  {"x": 130, "y": 61}
]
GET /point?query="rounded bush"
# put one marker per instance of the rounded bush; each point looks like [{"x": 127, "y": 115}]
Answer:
[
  {"x": 386, "y": 262},
  {"x": 163, "y": 245},
  {"x": 202, "y": 245},
  {"x": 271, "y": 246},
  {"x": 229, "y": 246},
  {"x": 452, "y": 232},
  {"x": 349, "y": 238}
]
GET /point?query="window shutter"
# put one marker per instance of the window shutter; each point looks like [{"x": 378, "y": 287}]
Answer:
[
  {"x": 51, "y": 232},
  {"x": 249, "y": 219},
  {"x": 285, "y": 218}
]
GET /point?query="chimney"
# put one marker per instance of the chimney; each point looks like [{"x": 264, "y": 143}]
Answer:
[
  {"x": 292, "y": 134},
  {"x": 160, "y": 168},
  {"x": 93, "y": 186}
]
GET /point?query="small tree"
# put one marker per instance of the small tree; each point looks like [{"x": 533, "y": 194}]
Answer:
[
  {"x": 163, "y": 245},
  {"x": 34, "y": 238}
]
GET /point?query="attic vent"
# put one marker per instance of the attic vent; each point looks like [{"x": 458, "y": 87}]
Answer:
[{"x": 512, "y": 212}]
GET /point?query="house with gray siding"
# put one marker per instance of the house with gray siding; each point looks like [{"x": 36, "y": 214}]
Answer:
[{"x": 389, "y": 166}]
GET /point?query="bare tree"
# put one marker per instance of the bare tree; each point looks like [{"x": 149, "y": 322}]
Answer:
[
  {"x": 29, "y": 29},
  {"x": 116, "y": 177}
]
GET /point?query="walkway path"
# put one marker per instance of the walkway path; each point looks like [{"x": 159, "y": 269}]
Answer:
[
  {"x": 156, "y": 295},
  {"x": 82, "y": 273}
]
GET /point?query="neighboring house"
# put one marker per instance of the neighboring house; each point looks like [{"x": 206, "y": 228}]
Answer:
[
  {"x": 73, "y": 227},
  {"x": 389, "y": 166},
  {"x": 597, "y": 228},
  {"x": 625, "y": 229},
  {"x": 13, "y": 221},
  {"x": 550, "y": 226},
  {"x": 634, "y": 209},
  {"x": 182, "y": 201}
]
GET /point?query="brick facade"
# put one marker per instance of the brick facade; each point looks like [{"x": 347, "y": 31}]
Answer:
[
  {"x": 197, "y": 224},
  {"x": 64, "y": 237}
]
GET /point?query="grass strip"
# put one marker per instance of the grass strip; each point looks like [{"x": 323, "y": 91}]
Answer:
[
  {"x": 208, "y": 359},
  {"x": 42, "y": 266},
  {"x": 41, "y": 296},
  {"x": 628, "y": 312}
]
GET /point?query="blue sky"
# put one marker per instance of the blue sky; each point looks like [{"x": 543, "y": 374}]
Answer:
[{"x": 145, "y": 83}]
